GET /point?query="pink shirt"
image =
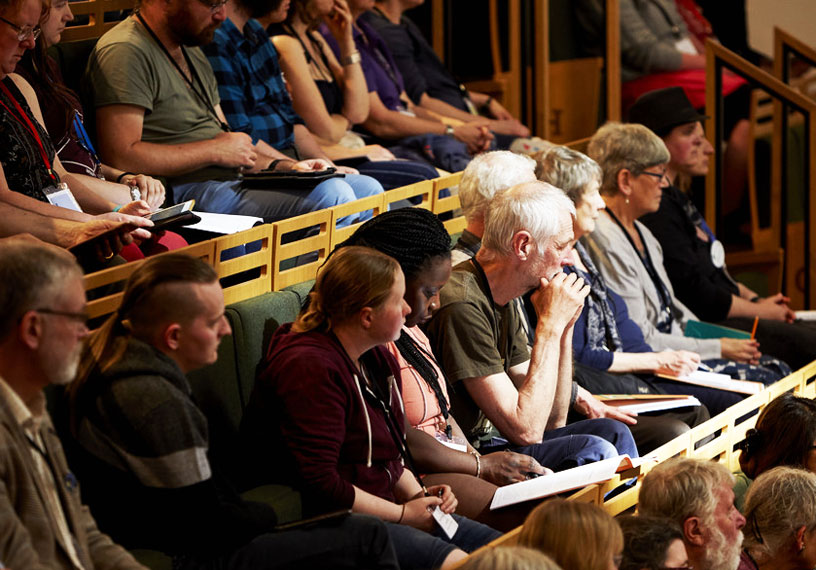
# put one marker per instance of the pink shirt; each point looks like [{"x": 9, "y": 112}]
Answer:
[{"x": 421, "y": 406}]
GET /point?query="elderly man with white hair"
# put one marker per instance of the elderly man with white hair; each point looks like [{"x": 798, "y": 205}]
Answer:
[{"x": 506, "y": 397}]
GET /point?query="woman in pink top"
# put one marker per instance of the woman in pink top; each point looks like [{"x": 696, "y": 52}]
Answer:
[{"x": 419, "y": 242}]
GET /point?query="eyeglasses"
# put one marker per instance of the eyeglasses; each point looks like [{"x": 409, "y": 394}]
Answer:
[
  {"x": 678, "y": 568},
  {"x": 214, "y": 6},
  {"x": 659, "y": 175},
  {"x": 23, "y": 33},
  {"x": 80, "y": 318}
]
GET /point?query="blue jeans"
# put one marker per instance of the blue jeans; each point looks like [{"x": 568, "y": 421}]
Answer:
[
  {"x": 397, "y": 173},
  {"x": 227, "y": 197},
  {"x": 419, "y": 549},
  {"x": 573, "y": 445}
]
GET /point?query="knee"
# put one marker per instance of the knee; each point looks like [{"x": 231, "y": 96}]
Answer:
[
  {"x": 363, "y": 186},
  {"x": 332, "y": 192},
  {"x": 671, "y": 428}
]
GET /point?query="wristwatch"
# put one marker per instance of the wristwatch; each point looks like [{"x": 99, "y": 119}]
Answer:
[{"x": 449, "y": 130}]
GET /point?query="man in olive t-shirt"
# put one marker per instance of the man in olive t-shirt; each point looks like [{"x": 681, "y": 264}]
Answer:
[
  {"x": 157, "y": 111},
  {"x": 480, "y": 342}
]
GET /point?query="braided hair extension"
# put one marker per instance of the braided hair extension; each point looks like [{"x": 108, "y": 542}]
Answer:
[{"x": 414, "y": 237}]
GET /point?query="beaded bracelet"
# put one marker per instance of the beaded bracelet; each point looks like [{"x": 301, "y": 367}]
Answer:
[{"x": 478, "y": 463}]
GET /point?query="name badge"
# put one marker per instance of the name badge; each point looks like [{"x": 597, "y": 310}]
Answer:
[
  {"x": 685, "y": 46},
  {"x": 717, "y": 254},
  {"x": 61, "y": 196}
]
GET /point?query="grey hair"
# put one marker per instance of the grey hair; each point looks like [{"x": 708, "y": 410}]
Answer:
[
  {"x": 618, "y": 146},
  {"x": 510, "y": 558},
  {"x": 32, "y": 275},
  {"x": 681, "y": 488},
  {"x": 488, "y": 174},
  {"x": 779, "y": 502},
  {"x": 532, "y": 206},
  {"x": 569, "y": 170}
]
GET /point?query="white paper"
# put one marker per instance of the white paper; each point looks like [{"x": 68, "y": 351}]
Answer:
[
  {"x": 647, "y": 406},
  {"x": 446, "y": 522},
  {"x": 575, "y": 478},
  {"x": 805, "y": 315},
  {"x": 719, "y": 381},
  {"x": 224, "y": 223},
  {"x": 685, "y": 46}
]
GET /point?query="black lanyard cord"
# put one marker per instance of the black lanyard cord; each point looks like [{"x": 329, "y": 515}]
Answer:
[{"x": 190, "y": 82}]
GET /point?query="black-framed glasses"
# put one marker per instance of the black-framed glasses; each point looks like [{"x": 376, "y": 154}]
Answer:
[
  {"x": 80, "y": 318},
  {"x": 678, "y": 568},
  {"x": 25, "y": 32},
  {"x": 659, "y": 175},
  {"x": 214, "y": 6}
]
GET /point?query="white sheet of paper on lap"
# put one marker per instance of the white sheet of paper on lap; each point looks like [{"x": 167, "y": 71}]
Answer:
[
  {"x": 567, "y": 480},
  {"x": 446, "y": 522},
  {"x": 224, "y": 223},
  {"x": 718, "y": 381},
  {"x": 805, "y": 315},
  {"x": 643, "y": 403}
]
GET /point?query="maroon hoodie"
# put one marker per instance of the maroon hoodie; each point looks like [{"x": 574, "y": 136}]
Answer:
[{"x": 322, "y": 425}]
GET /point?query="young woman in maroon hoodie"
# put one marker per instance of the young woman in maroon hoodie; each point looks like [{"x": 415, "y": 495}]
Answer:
[{"x": 328, "y": 408}]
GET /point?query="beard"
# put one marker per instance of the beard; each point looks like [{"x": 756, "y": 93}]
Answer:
[
  {"x": 64, "y": 373},
  {"x": 719, "y": 554}
]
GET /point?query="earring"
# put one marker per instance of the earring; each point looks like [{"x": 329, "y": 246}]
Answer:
[
  {"x": 626, "y": 200},
  {"x": 801, "y": 547}
]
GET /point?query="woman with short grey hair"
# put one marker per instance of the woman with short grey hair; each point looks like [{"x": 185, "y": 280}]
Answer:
[
  {"x": 634, "y": 160},
  {"x": 780, "y": 527}
]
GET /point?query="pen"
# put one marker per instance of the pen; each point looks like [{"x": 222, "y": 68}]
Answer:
[
  {"x": 704, "y": 367},
  {"x": 753, "y": 331}
]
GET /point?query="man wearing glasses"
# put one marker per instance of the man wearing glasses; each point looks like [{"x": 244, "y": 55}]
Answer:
[
  {"x": 158, "y": 111},
  {"x": 42, "y": 324}
]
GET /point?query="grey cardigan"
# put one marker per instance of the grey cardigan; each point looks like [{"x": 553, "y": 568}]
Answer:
[
  {"x": 649, "y": 30},
  {"x": 625, "y": 273}
]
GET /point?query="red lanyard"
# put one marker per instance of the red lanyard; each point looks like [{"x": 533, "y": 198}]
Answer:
[{"x": 26, "y": 122}]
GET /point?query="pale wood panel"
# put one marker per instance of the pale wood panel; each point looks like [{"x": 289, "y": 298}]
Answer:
[
  {"x": 449, "y": 203},
  {"x": 317, "y": 245},
  {"x": 376, "y": 204},
  {"x": 422, "y": 190},
  {"x": 574, "y": 98},
  {"x": 259, "y": 260},
  {"x": 95, "y": 10}
]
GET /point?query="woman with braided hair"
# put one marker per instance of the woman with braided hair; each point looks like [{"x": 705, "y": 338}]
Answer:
[{"x": 417, "y": 239}]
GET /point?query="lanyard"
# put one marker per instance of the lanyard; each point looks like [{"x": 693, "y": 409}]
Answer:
[
  {"x": 668, "y": 309},
  {"x": 200, "y": 95},
  {"x": 25, "y": 121}
]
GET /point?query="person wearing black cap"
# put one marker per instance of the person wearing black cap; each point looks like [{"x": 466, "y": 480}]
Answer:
[{"x": 693, "y": 257}]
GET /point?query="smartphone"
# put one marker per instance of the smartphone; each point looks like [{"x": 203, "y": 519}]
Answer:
[{"x": 178, "y": 215}]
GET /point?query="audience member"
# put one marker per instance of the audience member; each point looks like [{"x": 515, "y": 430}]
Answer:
[
  {"x": 633, "y": 160},
  {"x": 327, "y": 407},
  {"x": 255, "y": 100},
  {"x": 485, "y": 176},
  {"x": 144, "y": 442},
  {"x": 694, "y": 258},
  {"x": 419, "y": 242},
  {"x": 63, "y": 120},
  {"x": 409, "y": 131},
  {"x": 428, "y": 82},
  {"x": 42, "y": 324},
  {"x": 506, "y": 398},
  {"x": 510, "y": 558},
  {"x": 611, "y": 355},
  {"x": 696, "y": 495},
  {"x": 651, "y": 543},
  {"x": 157, "y": 110},
  {"x": 785, "y": 434},
  {"x": 577, "y": 535},
  {"x": 780, "y": 521}
]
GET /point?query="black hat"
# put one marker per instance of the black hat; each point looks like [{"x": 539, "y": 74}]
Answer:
[{"x": 664, "y": 109}]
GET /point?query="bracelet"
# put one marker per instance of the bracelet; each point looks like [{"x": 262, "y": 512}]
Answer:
[
  {"x": 119, "y": 178},
  {"x": 352, "y": 58},
  {"x": 449, "y": 130},
  {"x": 117, "y": 208},
  {"x": 402, "y": 514},
  {"x": 486, "y": 105},
  {"x": 478, "y": 463},
  {"x": 755, "y": 299}
]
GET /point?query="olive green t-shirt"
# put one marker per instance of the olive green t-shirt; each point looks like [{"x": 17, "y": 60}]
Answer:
[
  {"x": 128, "y": 67},
  {"x": 472, "y": 336}
]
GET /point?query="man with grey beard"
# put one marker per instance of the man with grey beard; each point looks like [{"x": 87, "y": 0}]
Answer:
[
  {"x": 697, "y": 495},
  {"x": 42, "y": 324}
]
